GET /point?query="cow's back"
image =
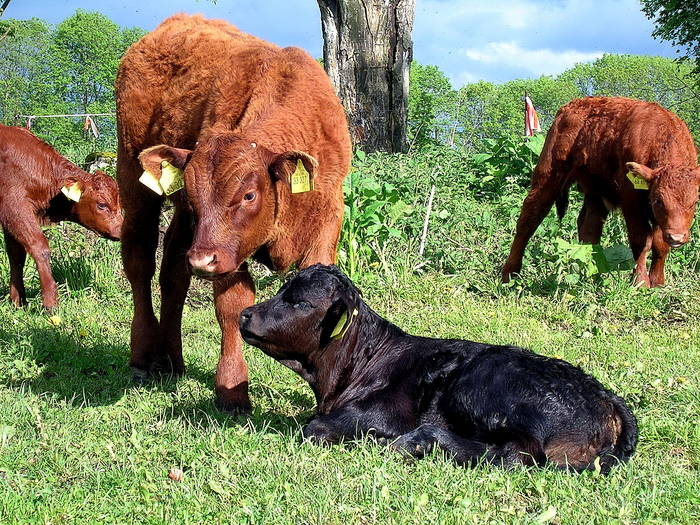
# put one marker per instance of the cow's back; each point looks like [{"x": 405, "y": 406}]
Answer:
[
  {"x": 598, "y": 135},
  {"x": 26, "y": 163},
  {"x": 192, "y": 74}
]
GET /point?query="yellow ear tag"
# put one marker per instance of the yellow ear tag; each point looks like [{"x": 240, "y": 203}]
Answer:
[
  {"x": 301, "y": 179},
  {"x": 171, "y": 179},
  {"x": 638, "y": 182},
  {"x": 72, "y": 192},
  {"x": 343, "y": 325},
  {"x": 151, "y": 182}
]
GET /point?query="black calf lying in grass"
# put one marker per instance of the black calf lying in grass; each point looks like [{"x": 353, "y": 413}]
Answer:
[{"x": 500, "y": 404}]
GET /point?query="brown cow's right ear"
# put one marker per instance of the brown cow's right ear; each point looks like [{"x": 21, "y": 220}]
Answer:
[
  {"x": 644, "y": 172},
  {"x": 152, "y": 158}
]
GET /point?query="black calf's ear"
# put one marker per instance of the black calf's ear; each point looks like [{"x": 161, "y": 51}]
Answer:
[{"x": 338, "y": 319}]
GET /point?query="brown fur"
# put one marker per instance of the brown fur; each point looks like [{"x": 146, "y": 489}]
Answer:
[
  {"x": 236, "y": 113},
  {"x": 593, "y": 143},
  {"x": 31, "y": 176}
]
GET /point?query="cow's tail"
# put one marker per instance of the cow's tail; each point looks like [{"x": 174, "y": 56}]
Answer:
[
  {"x": 562, "y": 202},
  {"x": 626, "y": 442}
]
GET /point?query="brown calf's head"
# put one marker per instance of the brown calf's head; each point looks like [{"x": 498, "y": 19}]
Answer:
[
  {"x": 96, "y": 203},
  {"x": 236, "y": 188},
  {"x": 673, "y": 195},
  {"x": 310, "y": 311}
]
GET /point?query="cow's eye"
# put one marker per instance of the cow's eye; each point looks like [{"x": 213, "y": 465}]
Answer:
[
  {"x": 102, "y": 206},
  {"x": 250, "y": 196},
  {"x": 302, "y": 305}
]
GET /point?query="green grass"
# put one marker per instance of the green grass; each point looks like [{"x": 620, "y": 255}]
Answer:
[{"x": 80, "y": 443}]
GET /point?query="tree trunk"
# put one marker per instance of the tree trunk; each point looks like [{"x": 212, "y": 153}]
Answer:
[{"x": 367, "y": 51}]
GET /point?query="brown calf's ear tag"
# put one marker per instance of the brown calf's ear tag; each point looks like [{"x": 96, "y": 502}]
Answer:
[
  {"x": 638, "y": 182},
  {"x": 151, "y": 182},
  {"x": 301, "y": 179},
  {"x": 343, "y": 324},
  {"x": 72, "y": 191},
  {"x": 171, "y": 179}
]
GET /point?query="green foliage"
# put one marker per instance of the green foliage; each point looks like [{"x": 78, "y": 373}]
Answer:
[
  {"x": 373, "y": 210},
  {"x": 482, "y": 111},
  {"x": 679, "y": 23},
  {"x": 67, "y": 69}
]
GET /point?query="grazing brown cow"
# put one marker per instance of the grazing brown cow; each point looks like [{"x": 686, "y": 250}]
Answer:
[
  {"x": 240, "y": 116},
  {"x": 622, "y": 153},
  {"x": 40, "y": 187}
]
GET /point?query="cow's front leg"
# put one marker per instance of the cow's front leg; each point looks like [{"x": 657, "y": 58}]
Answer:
[
  {"x": 17, "y": 256},
  {"x": 139, "y": 240},
  {"x": 344, "y": 424},
  {"x": 232, "y": 295},
  {"x": 640, "y": 242},
  {"x": 659, "y": 252},
  {"x": 174, "y": 282}
]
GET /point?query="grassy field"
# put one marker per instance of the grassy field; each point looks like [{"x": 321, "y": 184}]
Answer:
[{"x": 79, "y": 443}]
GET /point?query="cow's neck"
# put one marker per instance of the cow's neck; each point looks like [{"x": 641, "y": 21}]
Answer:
[{"x": 342, "y": 368}]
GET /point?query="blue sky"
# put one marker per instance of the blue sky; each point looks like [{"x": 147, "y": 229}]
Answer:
[{"x": 469, "y": 40}]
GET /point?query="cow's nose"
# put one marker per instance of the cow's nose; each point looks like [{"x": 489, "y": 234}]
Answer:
[
  {"x": 203, "y": 262},
  {"x": 246, "y": 316},
  {"x": 676, "y": 239}
]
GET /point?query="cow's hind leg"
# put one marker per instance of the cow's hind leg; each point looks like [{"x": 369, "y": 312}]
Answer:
[
  {"x": 17, "y": 255},
  {"x": 535, "y": 208},
  {"x": 139, "y": 240},
  {"x": 467, "y": 452},
  {"x": 24, "y": 227},
  {"x": 591, "y": 219},
  {"x": 232, "y": 295},
  {"x": 174, "y": 282}
]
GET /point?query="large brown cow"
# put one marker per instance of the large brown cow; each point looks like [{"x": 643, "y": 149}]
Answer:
[
  {"x": 40, "y": 187},
  {"x": 239, "y": 116},
  {"x": 622, "y": 153}
]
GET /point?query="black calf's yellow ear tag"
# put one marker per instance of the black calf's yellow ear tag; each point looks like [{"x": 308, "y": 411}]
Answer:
[
  {"x": 343, "y": 324},
  {"x": 301, "y": 180},
  {"x": 638, "y": 182}
]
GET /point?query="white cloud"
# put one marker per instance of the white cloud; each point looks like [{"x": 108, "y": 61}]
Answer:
[
  {"x": 536, "y": 61},
  {"x": 499, "y": 40}
]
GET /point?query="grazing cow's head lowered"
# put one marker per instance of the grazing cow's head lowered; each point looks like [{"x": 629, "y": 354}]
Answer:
[
  {"x": 97, "y": 206},
  {"x": 314, "y": 308},
  {"x": 235, "y": 187},
  {"x": 673, "y": 194}
]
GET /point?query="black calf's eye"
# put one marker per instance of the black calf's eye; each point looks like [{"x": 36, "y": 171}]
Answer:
[{"x": 302, "y": 304}]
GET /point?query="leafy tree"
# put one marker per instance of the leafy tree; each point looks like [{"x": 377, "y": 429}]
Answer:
[
  {"x": 431, "y": 104},
  {"x": 67, "y": 69},
  {"x": 677, "y": 21},
  {"x": 22, "y": 73}
]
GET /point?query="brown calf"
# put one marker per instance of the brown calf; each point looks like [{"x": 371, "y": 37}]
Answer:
[
  {"x": 40, "y": 187},
  {"x": 622, "y": 153},
  {"x": 240, "y": 116}
]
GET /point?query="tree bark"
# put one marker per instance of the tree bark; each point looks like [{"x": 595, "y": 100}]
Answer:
[{"x": 367, "y": 51}]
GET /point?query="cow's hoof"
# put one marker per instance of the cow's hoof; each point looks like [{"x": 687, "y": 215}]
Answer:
[
  {"x": 140, "y": 376},
  {"x": 233, "y": 408},
  {"x": 166, "y": 367}
]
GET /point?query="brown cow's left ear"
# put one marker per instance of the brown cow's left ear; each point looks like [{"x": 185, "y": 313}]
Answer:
[
  {"x": 644, "y": 172},
  {"x": 290, "y": 163},
  {"x": 152, "y": 158}
]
